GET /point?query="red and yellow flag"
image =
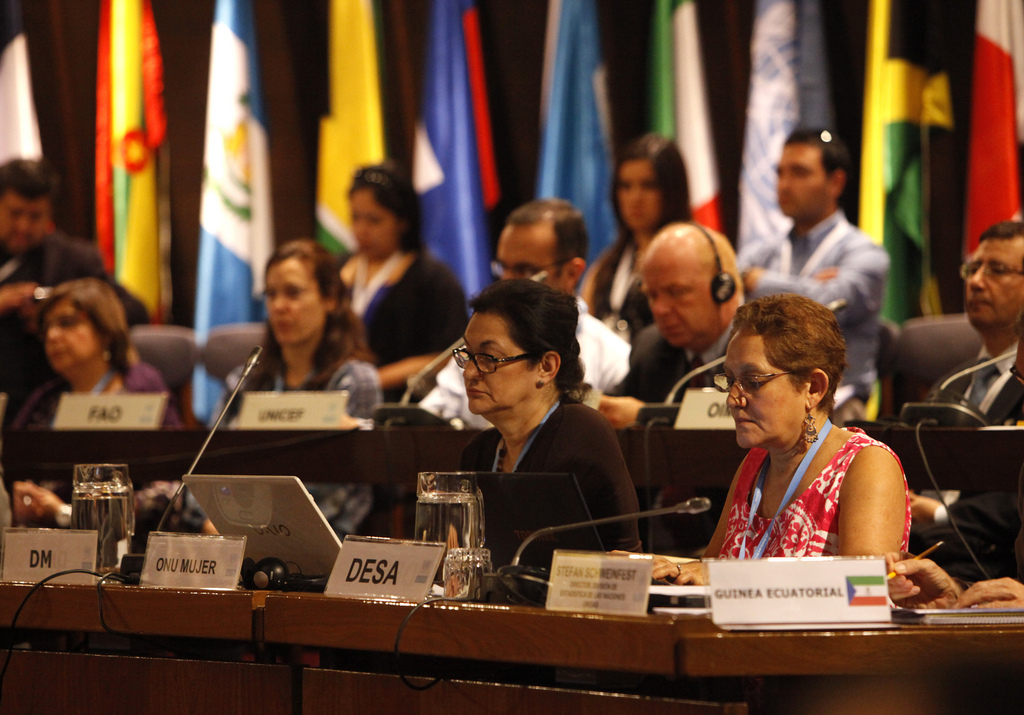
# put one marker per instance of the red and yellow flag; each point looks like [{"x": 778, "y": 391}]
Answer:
[{"x": 130, "y": 126}]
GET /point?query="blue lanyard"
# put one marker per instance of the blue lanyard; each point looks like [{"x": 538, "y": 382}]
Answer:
[
  {"x": 104, "y": 382},
  {"x": 755, "y": 502},
  {"x": 529, "y": 442}
]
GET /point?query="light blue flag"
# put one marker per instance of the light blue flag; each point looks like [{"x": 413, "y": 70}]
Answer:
[
  {"x": 788, "y": 88},
  {"x": 447, "y": 169},
  {"x": 19, "y": 130},
  {"x": 235, "y": 222},
  {"x": 575, "y": 160}
]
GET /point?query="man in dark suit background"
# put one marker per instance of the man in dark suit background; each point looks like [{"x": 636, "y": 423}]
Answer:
[{"x": 993, "y": 300}]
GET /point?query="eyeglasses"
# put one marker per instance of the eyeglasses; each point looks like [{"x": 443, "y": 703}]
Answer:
[
  {"x": 484, "y": 363},
  {"x": 522, "y": 270},
  {"x": 1017, "y": 374},
  {"x": 749, "y": 384},
  {"x": 989, "y": 270}
]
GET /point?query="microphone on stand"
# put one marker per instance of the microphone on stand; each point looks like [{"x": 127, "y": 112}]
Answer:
[
  {"x": 401, "y": 412},
  {"x": 250, "y": 363},
  {"x": 948, "y": 408},
  {"x": 527, "y": 584},
  {"x": 666, "y": 411},
  {"x": 694, "y": 505}
]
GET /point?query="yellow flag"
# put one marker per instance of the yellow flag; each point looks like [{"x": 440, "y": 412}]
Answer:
[{"x": 353, "y": 134}]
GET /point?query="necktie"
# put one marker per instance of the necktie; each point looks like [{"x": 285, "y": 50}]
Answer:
[
  {"x": 698, "y": 380},
  {"x": 981, "y": 382}
]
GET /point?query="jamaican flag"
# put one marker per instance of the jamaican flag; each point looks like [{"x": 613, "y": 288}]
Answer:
[{"x": 906, "y": 96}]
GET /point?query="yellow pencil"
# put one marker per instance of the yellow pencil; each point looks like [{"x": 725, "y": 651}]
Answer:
[{"x": 892, "y": 574}]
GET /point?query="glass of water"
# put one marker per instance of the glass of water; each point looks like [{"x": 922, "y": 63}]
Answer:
[
  {"x": 102, "y": 500},
  {"x": 464, "y": 571}
]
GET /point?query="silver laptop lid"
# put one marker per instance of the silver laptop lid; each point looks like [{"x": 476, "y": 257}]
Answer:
[{"x": 276, "y": 514}]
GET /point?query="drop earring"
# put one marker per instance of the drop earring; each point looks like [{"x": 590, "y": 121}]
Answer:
[{"x": 810, "y": 430}]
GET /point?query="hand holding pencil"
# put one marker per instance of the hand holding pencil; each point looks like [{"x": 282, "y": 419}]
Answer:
[
  {"x": 917, "y": 582},
  {"x": 926, "y": 552}
]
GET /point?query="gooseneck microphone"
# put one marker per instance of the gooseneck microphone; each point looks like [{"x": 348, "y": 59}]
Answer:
[
  {"x": 689, "y": 376},
  {"x": 694, "y": 505},
  {"x": 947, "y": 408},
  {"x": 413, "y": 382},
  {"x": 250, "y": 363},
  {"x": 975, "y": 368}
]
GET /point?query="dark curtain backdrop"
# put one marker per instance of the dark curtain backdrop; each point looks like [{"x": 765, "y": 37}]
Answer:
[{"x": 292, "y": 37}]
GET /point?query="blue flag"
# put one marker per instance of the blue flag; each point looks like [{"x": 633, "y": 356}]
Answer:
[
  {"x": 788, "y": 88},
  {"x": 19, "y": 130},
  {"x": 575, "y": 159},
  {"x": 447, "y": 163},
  {"x": 235, "y": 223}
]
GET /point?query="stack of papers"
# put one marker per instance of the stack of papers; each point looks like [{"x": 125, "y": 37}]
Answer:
[{"x": 957, "y": 616}]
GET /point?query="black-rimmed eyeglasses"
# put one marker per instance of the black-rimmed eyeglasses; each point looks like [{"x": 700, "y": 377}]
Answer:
[{"x": 484, "y": 363}]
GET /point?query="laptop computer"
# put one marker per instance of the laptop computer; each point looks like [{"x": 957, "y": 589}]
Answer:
[
  {"x": 277, "y": 516},
  {"x": 518, "y": 503}
]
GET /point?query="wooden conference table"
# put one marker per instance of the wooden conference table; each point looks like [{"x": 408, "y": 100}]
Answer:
[
  {"x": 987, "y": 459},
  {"x": 455, "y": 638}
]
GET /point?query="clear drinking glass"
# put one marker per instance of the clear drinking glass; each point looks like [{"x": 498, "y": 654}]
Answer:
[
  {"x": 449, "y": 509},
  {"x": 102, "y": 499},
  {"x": 464, "y": 571}
]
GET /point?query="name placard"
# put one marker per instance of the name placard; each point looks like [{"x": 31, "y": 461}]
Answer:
[
  {"x": 295, "y": 410},
  {"x": 589, "y": 582},
  {"x": 193, "y": 561},
  {"x": 372, "y": 567},
  {"x": 704, "y": 408},
  {"x": 823, "y": 592},
  {"x": 34, "y": 554},
  {"x": 119, "y": 411}
]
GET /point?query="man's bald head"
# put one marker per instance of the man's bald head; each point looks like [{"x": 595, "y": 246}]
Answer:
[{"x": 677, "y": 271}]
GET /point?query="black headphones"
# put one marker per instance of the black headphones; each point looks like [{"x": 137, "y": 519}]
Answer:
[
  {"x": 269, "y": 574},
  {"x": 723, "y": 285}
]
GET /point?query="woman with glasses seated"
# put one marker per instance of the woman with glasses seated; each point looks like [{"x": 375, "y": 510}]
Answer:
[
  {"x": 806, "y": 487},
  {"x": 411, "y": 303},
  {"x": 85, "y": 335},
  {"x": 523, "y": 375}
]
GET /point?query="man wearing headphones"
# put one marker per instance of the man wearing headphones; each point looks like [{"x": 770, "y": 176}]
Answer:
[
  {"x": 824, "y": 257},
  {"x": 690, "y": 279}
]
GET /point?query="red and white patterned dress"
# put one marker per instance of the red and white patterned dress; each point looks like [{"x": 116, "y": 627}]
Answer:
[{"x": 809, "y": 526}]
